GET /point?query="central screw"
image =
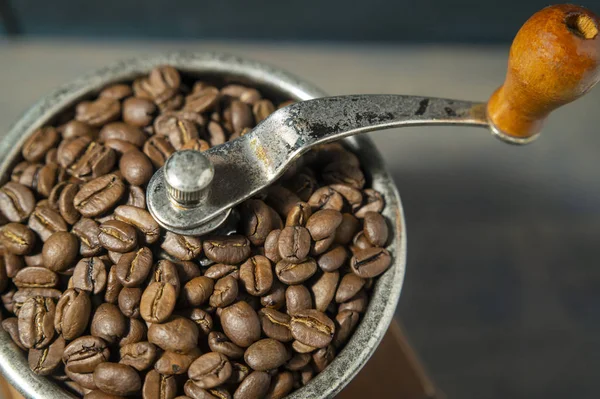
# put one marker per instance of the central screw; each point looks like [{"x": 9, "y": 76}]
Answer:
[{"x": 188, "y": 174}]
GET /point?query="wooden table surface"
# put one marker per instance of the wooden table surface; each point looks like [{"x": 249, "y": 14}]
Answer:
[{"x": 501, "y": 292}]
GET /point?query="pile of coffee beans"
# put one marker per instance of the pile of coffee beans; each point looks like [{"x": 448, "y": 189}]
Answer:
[{"x": 109, "y": 305}]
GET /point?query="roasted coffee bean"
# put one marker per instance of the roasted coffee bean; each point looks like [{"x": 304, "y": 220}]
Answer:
[
  {"x": 202, "y": 319},
  {"x": 117, "y": 91},
  {"x": 346, "y": 322},
  {"x": 246, "y": 94},
  {"x": 370, "y": 262},
  {"x": 46, "y": 221},
  {"x": 323, "y": 357},
  {"x": 17, "y": 238},
  {"x": 182, "y": 247},
  {"x": 112, "y": 256},
  {"x": 229, "y": 250},
  {"x": 118, "y": 236},
  {"x": 272, "y": 246},
  {"x": 158, "y": 149},
  {"x": 343, "y": 173},
  {"x": 171, "y": 363},
  {"x": 375, "y": 228},
  {"x": 16, "y": 202},
  {"x": 36, "y": 322},
  {"x": 34, "y": 259},
  {"x": 123, "y": 131},
  {"x": 275, "y": 298},
  {"x": 98, "y": 394},
  {"x": 350, "y": 285},
  {"x": 45, "y": 361},
  {"x": 298, "y": 215},
  {"x": 75, "y": 128},
  {"x": 136, "y": 197},
  {"x": 99, "y": 195},
  {"x": 360, "y": 242},
  {"x": 70, "y": 150},
  {"x": 295, "y": 273},
  {"x": 357, "y": 303},
  {"x": 275, "y": 324},
  {"x": 312, "y": 328},
  {"x": 241, "y": 116},
  {"x": 352, "y": 196},
  {"x": 12, "y": 263},
  {"x": 262, "y": 109},
  {"x": 219, "y": 342},
  {"x": 326, "y": 198},
  {"x": 88, "y": 231},
  {"x": 210, "y": 370},
  {"x": 297, "y": 297},
  {"x": 120, "y": 146},
  {"x": 84, "y": 381},
  {"x": 157, "y": 386},
  {"x": 256, "y": 275},
  {"x": 61, "y": 198},
  {"x": 35, "y": 277},
  {"x": 201, "y": 101},
  {"x": 197, "y": 291},
  {"x": 24, "y": 294},
  {"x": 108, "y": 323},
  {"x": 136, "y": 332},
  {"x": 333, "y": 259},
  {"x": 266, "y": 354},
  {"x": 294, "y": 244},
  {"x": 193, "y": 391},
  {"x": 90, "y": 275},
  {"x": 281, "y": 384},
  {"x": 134, "y": 267},
  {"x": 299, "y": 347},
  {"x": 113, "y": 286},
  {"x": 39, "y": 143},
  {"x": 281, "y": 199},
  {"x": 117, "y": 379},
  {"x": 323, "y": 289},
  {"x": 220, "y": 270},
  {"x": 239, "y": 373},
  {"x": 187, "y": 270},
  {"x": 179, "y": 127},
  {"x": 158, "y": 302},
  {"x": 298, "y": 361},
  {"x": 241, "y": 324},
  {"x": 196, "y": 145},
  {"x": 323, "y": 224},
  {"x": 178, "y": 334},
  {"x": 165, "y": 271},
  {"x": 255, "y": 386},
  {"x": 95, "y": 161},
  {"x": 136, "y": 167},
  {"x": 98, "y": 112},
  {"x": 139, "y": 355},
  {"x": 217, "y": 133},
  {"x": 258, "y": 219},
  {"x": 224, "y": 293},
  {"x": 374, "y": 203},
  {"x": 143, "y": 221},
  {"x": 138, "y": 111},
  {"x": 72, "y": 313},
  {"x": 11, "y": 326},
  {"x": 129, "y": 302},
  {"x": 60, "y": 251}
]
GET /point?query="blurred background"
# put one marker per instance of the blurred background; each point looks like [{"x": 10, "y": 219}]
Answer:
[{"x": 502, "y": 291}]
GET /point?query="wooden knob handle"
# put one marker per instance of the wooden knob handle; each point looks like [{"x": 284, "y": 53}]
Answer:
[{"x": 553, "y": 60}]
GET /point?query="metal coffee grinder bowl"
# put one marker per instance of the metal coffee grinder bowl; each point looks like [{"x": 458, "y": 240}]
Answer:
[{"x": 543, "y": 74}]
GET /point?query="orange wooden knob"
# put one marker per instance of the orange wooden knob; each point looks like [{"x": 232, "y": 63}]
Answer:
[{"x": 553, "y": 60}]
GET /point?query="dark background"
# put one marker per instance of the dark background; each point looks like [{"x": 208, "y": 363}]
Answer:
[{"x": 406, "y": 21}]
